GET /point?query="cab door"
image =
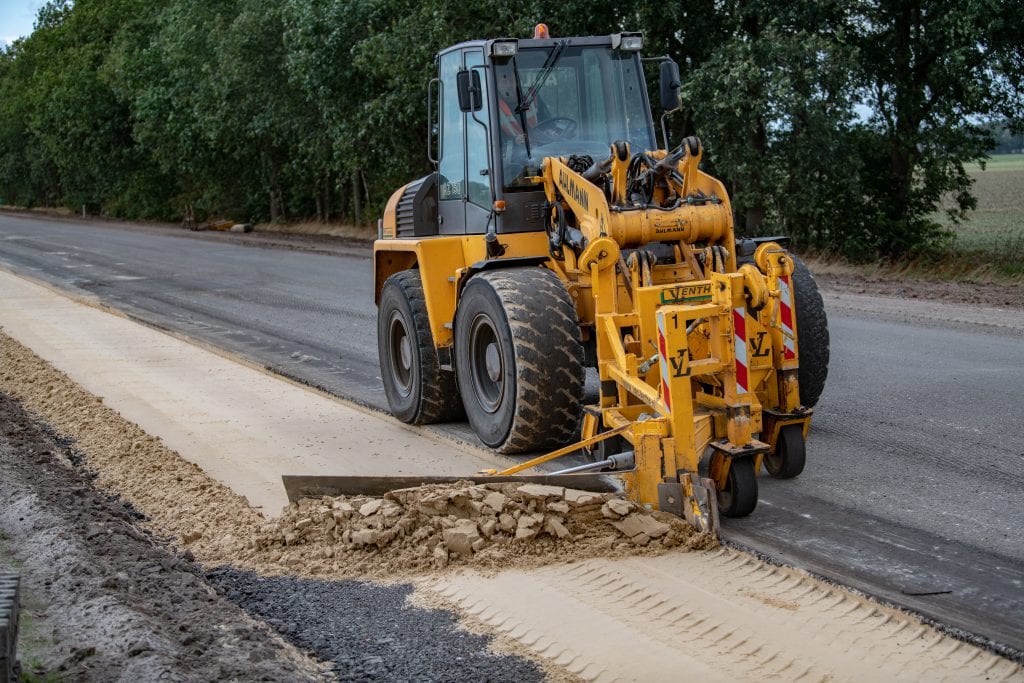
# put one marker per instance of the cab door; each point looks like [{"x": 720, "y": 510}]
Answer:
[{"x": 464, "y": 178}]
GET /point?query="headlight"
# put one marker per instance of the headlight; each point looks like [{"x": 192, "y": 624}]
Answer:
[
  {"x": 504, "y": 48},
  {"x": 630, "y": 42}
]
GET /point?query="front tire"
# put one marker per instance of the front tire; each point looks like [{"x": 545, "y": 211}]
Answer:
[
  {"x": 418, "y": 390},
  {"x": 519, "y": 359},
  {"x": 812, "y": 334}
]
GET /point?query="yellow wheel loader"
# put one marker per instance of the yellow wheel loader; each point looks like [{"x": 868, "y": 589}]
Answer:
[{"x": 556, "y": 236}]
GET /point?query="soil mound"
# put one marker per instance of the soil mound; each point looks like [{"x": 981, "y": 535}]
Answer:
[{"x": 485, "y": 526}]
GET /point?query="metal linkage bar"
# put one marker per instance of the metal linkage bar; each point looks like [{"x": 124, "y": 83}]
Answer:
[{"x": 9, "y": 595}]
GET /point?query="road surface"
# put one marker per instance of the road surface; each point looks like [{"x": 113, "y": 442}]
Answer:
[{"x": 914, "y": 489}]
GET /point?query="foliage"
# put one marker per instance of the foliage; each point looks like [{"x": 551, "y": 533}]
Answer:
[{"x": 843, "y": 124}]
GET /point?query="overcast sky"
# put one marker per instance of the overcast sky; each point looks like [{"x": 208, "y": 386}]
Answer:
[{"x": 17, "y": 18}]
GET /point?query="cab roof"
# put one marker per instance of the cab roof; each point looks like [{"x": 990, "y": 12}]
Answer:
[{"x": 526, "y": 43}]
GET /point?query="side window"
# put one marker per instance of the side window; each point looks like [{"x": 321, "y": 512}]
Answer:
[
  {"x": 633, "y": 98},
  {"x": 452, "y": 162},
  {"x": 477, "y": 143},
  {"x": 596, "y": 74}
]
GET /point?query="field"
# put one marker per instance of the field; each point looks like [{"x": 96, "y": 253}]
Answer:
[{"x": 991, "y": 241}]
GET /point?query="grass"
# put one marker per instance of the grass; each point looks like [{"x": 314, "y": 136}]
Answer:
[
  {"x": 314, "y": 228},
  {"x": 987, "y": 247},
  {"x": 991, "y": 241},
  {"x": 1001, "y": 162}
]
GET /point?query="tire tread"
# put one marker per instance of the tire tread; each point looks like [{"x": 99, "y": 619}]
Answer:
[
  {"x": 549, "y": 358},
  {"x": 439, "y": 393},
  {"x": 812, "y": 334}
]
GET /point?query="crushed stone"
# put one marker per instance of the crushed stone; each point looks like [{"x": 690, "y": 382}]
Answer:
[
  {"x": 486, "y": 526},
  {"x": 373, "y": 633}
]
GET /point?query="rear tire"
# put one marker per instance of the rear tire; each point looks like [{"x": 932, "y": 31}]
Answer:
[
  {"x": 519, "y": 360},
  {"x": 790, "y": 454},
  {"x": 739, "y": 497},
  {"x": 418, "y": 390},
  {"x": 812, "y": 334}
]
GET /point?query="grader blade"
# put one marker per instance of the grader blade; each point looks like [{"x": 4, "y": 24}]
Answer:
[{"x": 301, "y": 486}]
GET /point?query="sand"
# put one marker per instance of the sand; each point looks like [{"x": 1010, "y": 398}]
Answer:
[
  {"x": 407, "y": 533},
  {"x": 242, "y": 425}
]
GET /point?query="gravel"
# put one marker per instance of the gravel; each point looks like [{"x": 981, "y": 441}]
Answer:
[
  {"x": 369, "y": 632},
  {"x": 105, "y": 601}
]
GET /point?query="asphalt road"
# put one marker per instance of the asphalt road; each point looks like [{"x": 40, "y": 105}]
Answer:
[{"x": 914, "y": 489}]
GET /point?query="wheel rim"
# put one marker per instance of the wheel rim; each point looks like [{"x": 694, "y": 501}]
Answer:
[
  {"x": 773, "y": 460},
  {"x": 488, "y": 364},
  {"x": 400, "y": 354},
  {"x": 725, "y": 495}
]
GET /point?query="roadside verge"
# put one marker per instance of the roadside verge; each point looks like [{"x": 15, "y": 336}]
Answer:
[{"x": 597, "y": 618}]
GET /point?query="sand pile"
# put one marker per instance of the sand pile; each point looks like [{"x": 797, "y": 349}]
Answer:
[
  {"x": 405, "y": 533},
  {"x": 492, "y": 525}
]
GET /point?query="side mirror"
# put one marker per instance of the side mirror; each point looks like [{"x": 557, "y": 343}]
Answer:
[
  {"x": 670, "y": 85},
  {"x": 468, "y": 85}
]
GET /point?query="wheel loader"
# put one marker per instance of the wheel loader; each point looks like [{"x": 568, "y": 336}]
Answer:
[{"x": 557, "y": 235}]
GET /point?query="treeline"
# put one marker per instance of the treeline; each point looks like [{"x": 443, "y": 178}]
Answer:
[
  {"x": 1006, "y": 142},
  {"x": 839, "y": 122}
]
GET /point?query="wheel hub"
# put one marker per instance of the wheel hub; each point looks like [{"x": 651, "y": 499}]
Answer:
[
  {"x": 492, "y": 361},
  {"x": 405, "y": 353},
  {"x": 401, "y": 354},
  {"x": 488, "y": 380}
]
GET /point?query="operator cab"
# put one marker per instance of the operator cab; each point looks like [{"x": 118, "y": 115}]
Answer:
[{"x": 499, "y": 107}]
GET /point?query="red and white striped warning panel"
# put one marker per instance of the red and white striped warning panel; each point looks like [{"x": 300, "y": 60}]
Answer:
[
  {"x": 786, "y": 317},
  {"x": 663, "y": 361},
  {"x": 739, "y": 326}
]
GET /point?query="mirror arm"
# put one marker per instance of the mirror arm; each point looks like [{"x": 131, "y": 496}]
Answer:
[{"x": 664, "y": 128}]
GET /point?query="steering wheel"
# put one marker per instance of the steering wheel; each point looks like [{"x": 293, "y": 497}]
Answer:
[{"x": 557, "y": 127}]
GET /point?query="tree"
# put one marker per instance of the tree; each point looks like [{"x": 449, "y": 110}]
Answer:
[
  {"x": 932, "y": 71},
  {"x": 772, "y": 103},
  {"x": 168, "y": 79},
  {"x": 274, "y": 109}
]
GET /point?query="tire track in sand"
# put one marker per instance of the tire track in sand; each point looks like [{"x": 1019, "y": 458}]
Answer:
[{"x": 719, "y": 614}]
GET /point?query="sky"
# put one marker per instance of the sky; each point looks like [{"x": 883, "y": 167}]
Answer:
[{"x": 17, "y": 18}]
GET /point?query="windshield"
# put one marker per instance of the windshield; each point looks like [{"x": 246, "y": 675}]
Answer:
[{"x": 565, "y": 100}]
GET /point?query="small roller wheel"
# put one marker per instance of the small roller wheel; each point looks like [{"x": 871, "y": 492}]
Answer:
[
  {"x": 790, "y": 454},
  {"x": 739, "y": 497}
]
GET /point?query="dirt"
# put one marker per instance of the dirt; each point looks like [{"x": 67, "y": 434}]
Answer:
[
  {"x": 842, "y": 278},
  {"x": 486, "y": 527},
  {"x": 408, "y": 533},
  {"x": 104, "y": 600},
  {"x": 212, "y": 408},
  {"x": 720, "y": 615}
]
